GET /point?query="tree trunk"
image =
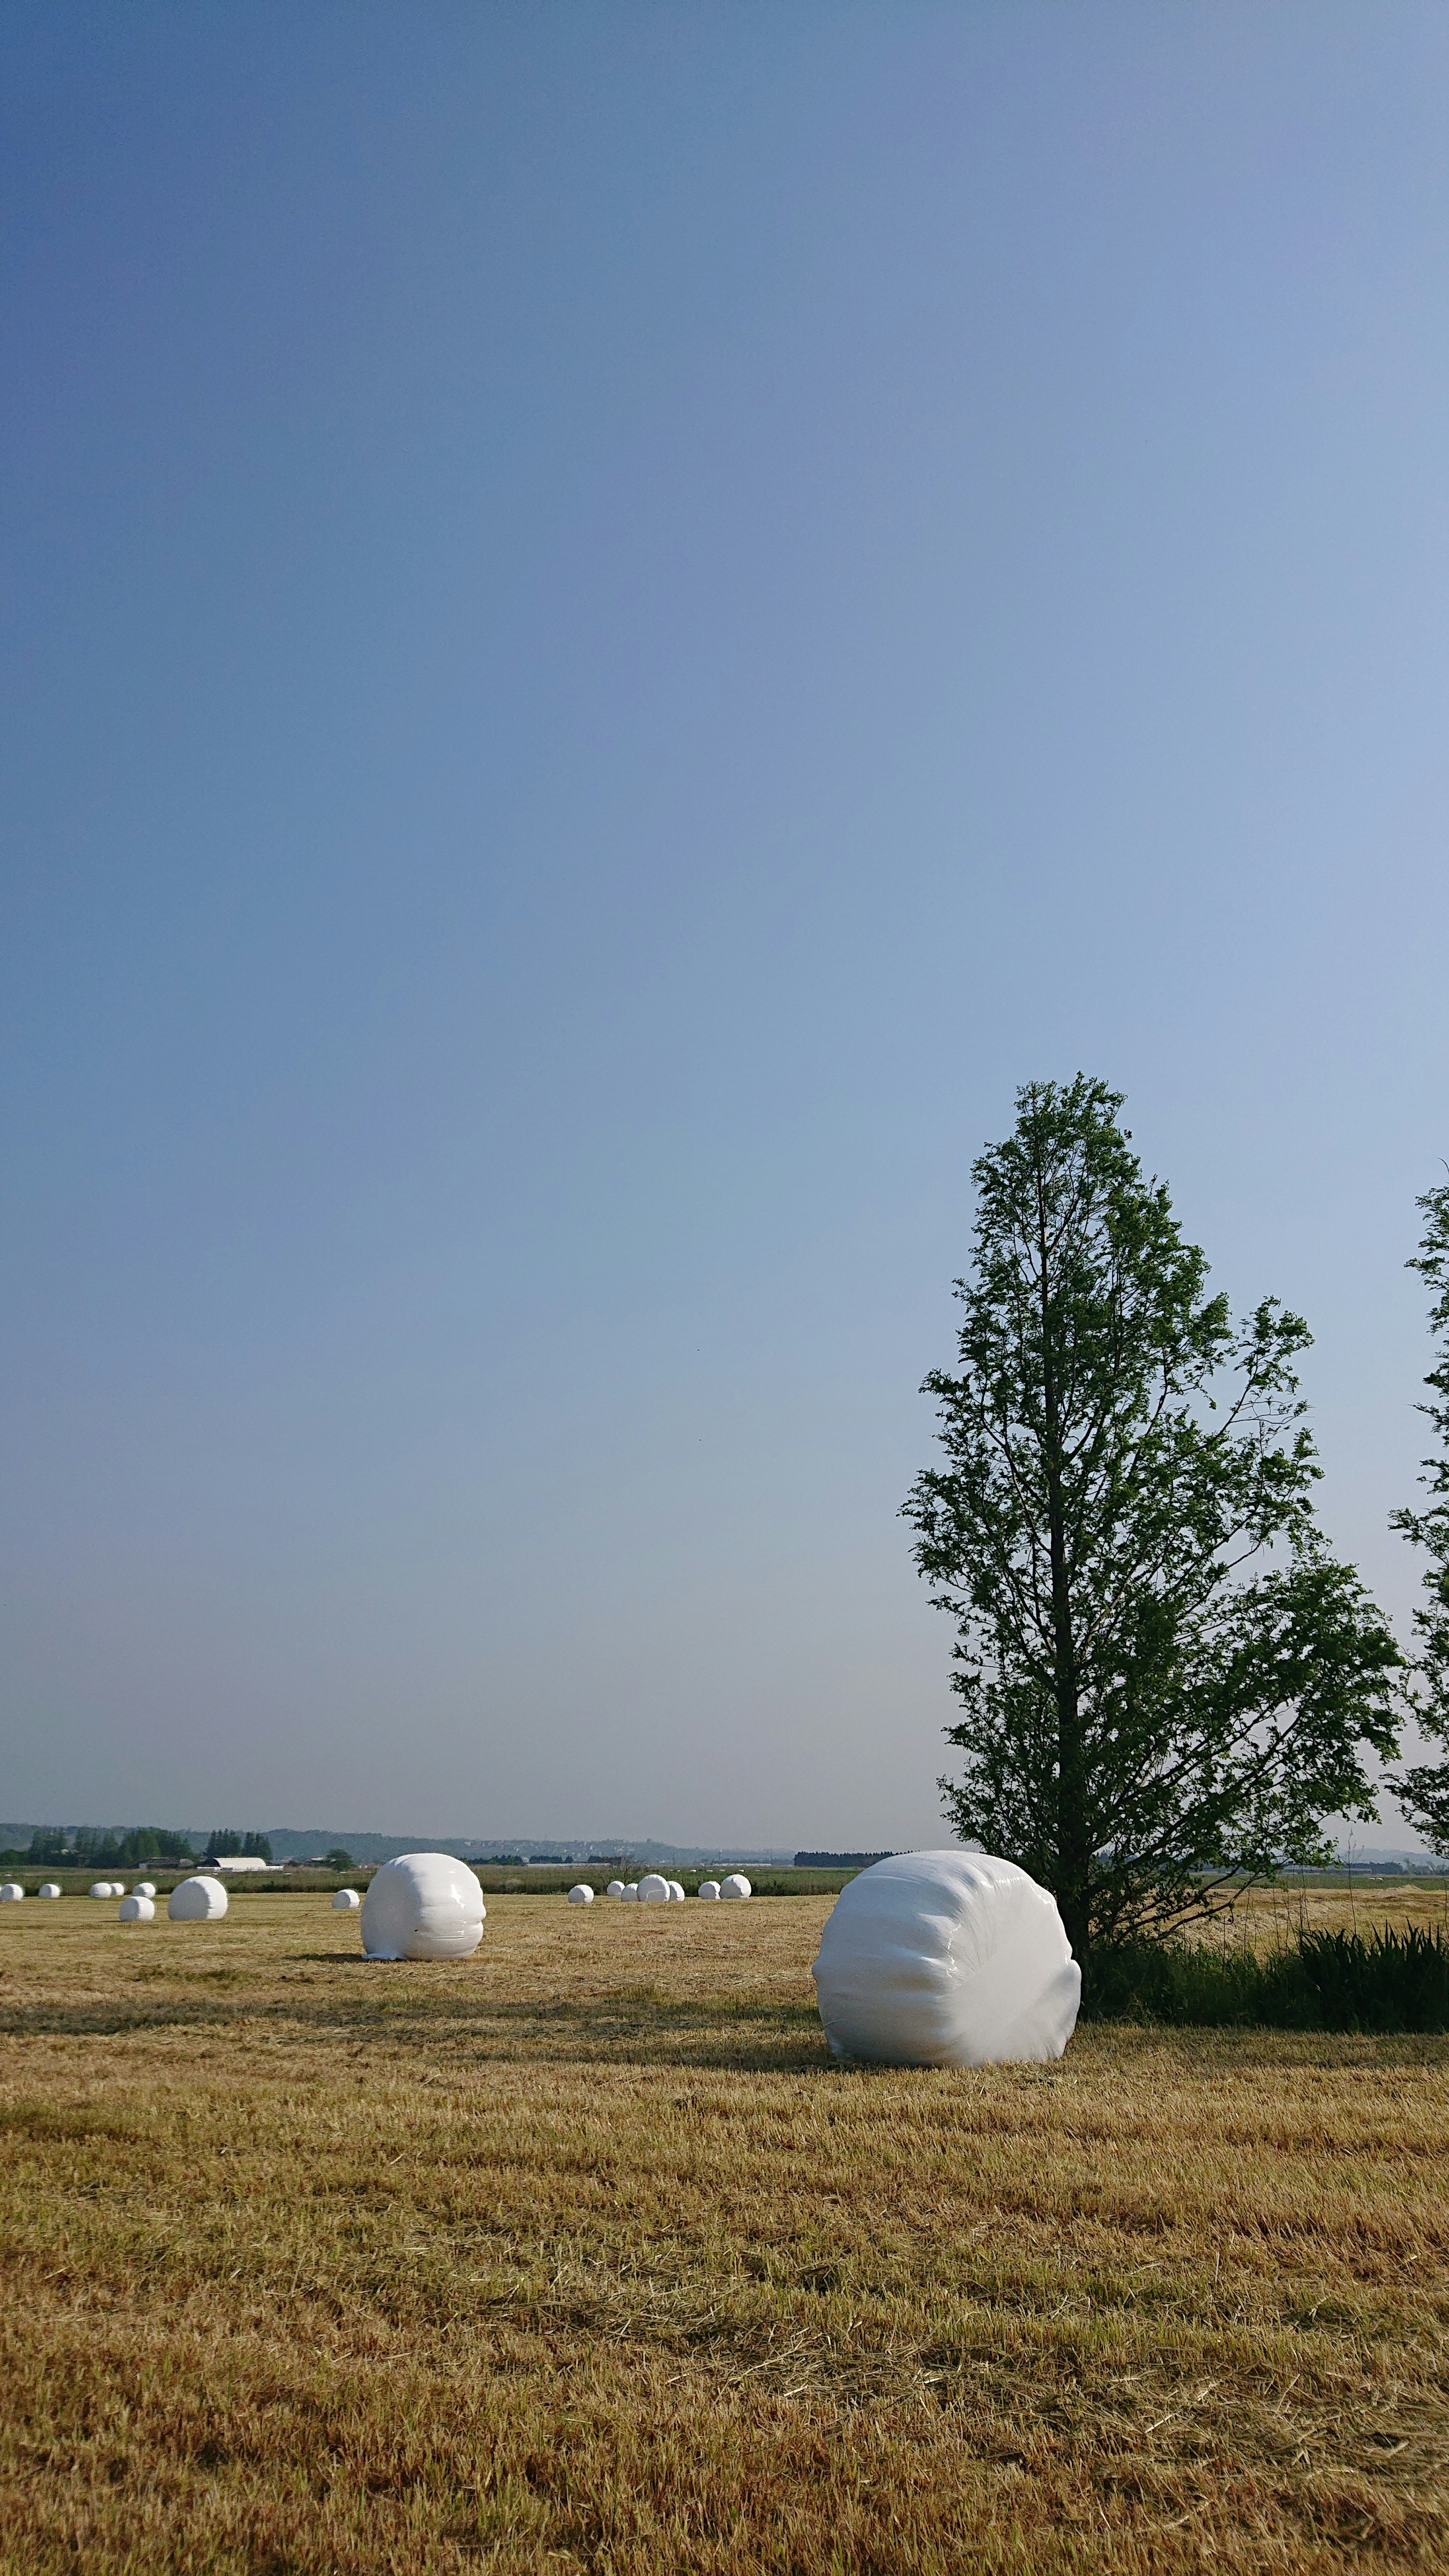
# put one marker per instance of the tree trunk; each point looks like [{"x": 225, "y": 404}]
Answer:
[{"x": 1073, "y": 1842}]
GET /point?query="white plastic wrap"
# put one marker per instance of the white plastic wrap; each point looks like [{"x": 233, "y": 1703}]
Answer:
[
  {"x": 615, "y": 1887},
  {"x": 653, "y": 1890},
  {"x": 676, "y": 1892},
  {"x": 946, "y": 1958},
  {"x": 197, "y": 1900},
  {"x": 12, "y": 1893},
  {"x": 143, "y": 1887},
  {"x": 583, "y": 1894},
  {"x": 100, "y": 1887},
  {"x": 735, "y": 1885},
  {"x": 137, "y": 1909},
  {"x": 630, "y": 1895},
  {"x": 425, "y": 1905},
  {"x": 49, "y": 1889},
  {"x": 709, "y": 1887},
  {"x": 346, "y": 1901}
]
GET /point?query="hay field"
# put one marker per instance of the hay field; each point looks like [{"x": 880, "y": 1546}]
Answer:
[{"x": 582, "y": 2255}]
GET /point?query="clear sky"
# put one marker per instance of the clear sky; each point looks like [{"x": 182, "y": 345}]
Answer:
[{"x": 616, "y": 620}]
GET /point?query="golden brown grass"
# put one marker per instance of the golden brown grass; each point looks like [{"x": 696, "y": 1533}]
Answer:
[{"x": 582, "y": 2255}]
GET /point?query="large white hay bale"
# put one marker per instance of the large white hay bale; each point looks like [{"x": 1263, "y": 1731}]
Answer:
[
  {"x": 946, "y": 1958},
  {"x": 12, "y": 1893},
  {"x": 676, "y": 1892},
  {"x": 346, "y": 1901},
  {"x": 137, "y": 1909},
  {"x": 49, "y": 1889},
  {"x": 425, "y": 1905},
  {"x": 615, "y": 1887},
  {"x": 197, "y": 1900},
  {"x": 143, "y": 1887},
  {"x": 709, "y": 1887},
  {"x": 100, "y": 1887},
  {"x": 583, "y": 1894},
  {"x": 736, "y": 1884},
  {"x": 653, "y": 1890},
  {"x": 630, "y": 1895}
]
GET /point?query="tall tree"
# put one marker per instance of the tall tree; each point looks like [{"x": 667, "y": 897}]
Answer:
[
  {"x": 1164, "y": 1678},
  {"x": 1423, "y": 1792}
]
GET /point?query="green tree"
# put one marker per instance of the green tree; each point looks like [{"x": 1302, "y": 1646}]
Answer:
[
  {"x": 1164, "y": 1678},
  {"x": 1423, "y": 1792}
]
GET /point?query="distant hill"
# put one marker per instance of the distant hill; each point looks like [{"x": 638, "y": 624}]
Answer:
[{"x": 304, "y": 1842}]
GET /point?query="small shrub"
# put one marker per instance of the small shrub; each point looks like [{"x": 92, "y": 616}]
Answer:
[{"x": 1393, "y": 1980}]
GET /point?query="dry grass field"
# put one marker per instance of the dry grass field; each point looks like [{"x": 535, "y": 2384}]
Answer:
[{"x": 582, "y": 2255}]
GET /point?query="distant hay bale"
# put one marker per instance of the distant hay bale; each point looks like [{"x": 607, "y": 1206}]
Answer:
[
  {"x": 137, "y": 1909},
  {"x": 49, "y": 1889},
  {"x": 583, "y": 1894},
  {"x": 653, "y": 1890},
  {"x": 346, "y": 1901},
  {"x": 736, "y": 1884},
  {"x": 12, "y": 1893},
  {"x": 630, "y": 1895},
  {"x": 100, "y": 1887},
  {"x": 143, "y": 1887},
  {"x": 946, "y": 1958},
  {"x": 709, "y": 1887},
  {"x": 197, "y": 1900},
  {"x": 615, "y": 1887},
  {"x": 676, "y": 1892},
  {"x": 424, "y": 1905}
]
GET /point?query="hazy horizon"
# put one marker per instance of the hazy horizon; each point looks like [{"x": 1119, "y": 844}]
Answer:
[{"x": 619, "y": 621}]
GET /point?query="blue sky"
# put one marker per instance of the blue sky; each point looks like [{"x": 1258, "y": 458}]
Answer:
[{"x": 617, "y": 620}]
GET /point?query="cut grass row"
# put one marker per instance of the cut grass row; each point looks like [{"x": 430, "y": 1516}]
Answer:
[{"x": 582, "y": 2254}]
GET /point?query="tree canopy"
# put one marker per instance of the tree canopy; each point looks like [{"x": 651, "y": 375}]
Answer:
[{"x": 1164, "y": 1677}]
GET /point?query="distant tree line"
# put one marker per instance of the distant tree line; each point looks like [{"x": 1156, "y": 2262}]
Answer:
[
  {"x": 225, "y": 1840},
  {"x": 839, "y": 1860},
  {"x": 1166, "y": 1682}
]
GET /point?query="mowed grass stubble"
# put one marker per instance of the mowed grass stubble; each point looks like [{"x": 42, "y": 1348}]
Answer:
[{"x": 582, "y": 2253}]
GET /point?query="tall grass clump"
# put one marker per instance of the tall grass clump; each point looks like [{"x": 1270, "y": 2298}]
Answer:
[{"x": 1396, "y": 1979}]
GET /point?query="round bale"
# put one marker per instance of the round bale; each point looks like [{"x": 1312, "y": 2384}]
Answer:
[
  {"x": 653, "y": 1890},
  {"x": 709, "y": 1887},
  {"x": 424, "y": 1905},
  {"x": 137, "y": 1909},
  {"x": 197, "y": 1900},
  {"x": 735, "y": 1885},
  {"x": 49, "y": 1889},
  {"x": 615, "y": 1887},
  {"x": 12, "y": 1893},
  {"x": 946, "y": 1958},
  {"x": 346, "y": 1901},
  {"x": 583, "y": 1894}
]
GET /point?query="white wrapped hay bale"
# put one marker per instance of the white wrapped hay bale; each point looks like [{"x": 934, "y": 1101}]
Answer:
[
  {"x": 137, "y": 1909},
  {"x": 736, "y": 1884},
  {"x": 143, "y": 1887},
  {"x": 49, "y": 1889},
  {"x": 709, "y": 1887},
  {"x": 946, "y": 1958},
  {"x": 346, "y": 1901},
  {"x": 676, "y": 1892},
  {"x": 653, "y": 1890},
  {"x": 100, "y": 1887},
  {"x": 12, "y": 1893},
  {"x": 630, "y": 1895},
  {"x": 425, "y": 1905},
  {"x": 197, "y": 1900},
  {"x": 615, "y": 1887},
  {"x": 583, "y": 1894}
]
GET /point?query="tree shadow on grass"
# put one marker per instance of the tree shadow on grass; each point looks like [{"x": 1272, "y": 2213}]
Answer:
[{"x": 622, "y": 2030}]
